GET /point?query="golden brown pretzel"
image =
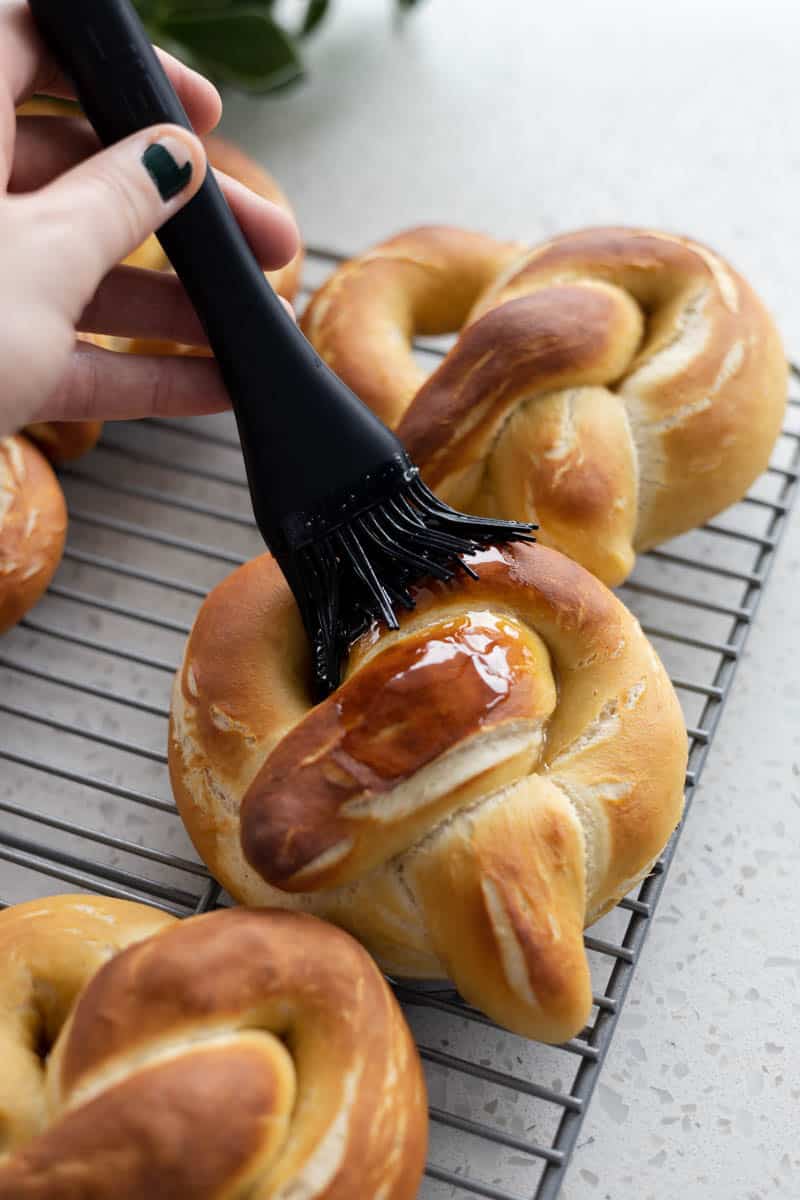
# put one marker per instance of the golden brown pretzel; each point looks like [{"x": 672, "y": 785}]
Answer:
[
  {"x": 33, "y": 525},
  {"x": 619, "y": 386},
  {"x": 238, "y": 1053},
  {"x": 485, "y": 781},
  {"x": 62, "y": 441},
  {"x": 421, "y": 282}
]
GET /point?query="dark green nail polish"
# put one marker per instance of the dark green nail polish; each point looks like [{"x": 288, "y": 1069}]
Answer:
[{"x": 164, "y": 171}]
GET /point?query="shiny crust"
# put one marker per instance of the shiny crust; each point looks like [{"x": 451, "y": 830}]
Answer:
[
  {"x": 485, "y": 781},
  {"x": 241, "y": 1051},
  {"x": 619, "y": 386},
  {"x": 33, "y": 524},
  {"x": 415, "y": 702}
]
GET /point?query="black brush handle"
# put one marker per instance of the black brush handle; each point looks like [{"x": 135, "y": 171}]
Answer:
[{"x": 305, "y": 435}]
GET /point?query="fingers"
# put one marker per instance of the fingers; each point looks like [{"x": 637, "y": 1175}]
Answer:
[
  {"x": 134, "y": 303},
  {"x": 270, "y": 231},
  {"x": 93, "y": 216},
  {"x": 27, "y": 68},
  {"x": 24, "y": 63},
  {"x": 101, "y": 384},
  {"x": 43, "y": 152},
  {"x": 196, "y": 93},
  {"x": 46, "y": 147},
  {"x": 144, "y": 304}
]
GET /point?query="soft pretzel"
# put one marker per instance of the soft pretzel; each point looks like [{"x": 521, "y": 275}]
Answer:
[
  {"x": 485, "y": 781},
  {"x": 33, "y": 525},
  {"x": 426, "y": 281},
  {"x": 618, "y": 386},
  {"x": 62, "y": 441},
  {"x": 239, "y": 1053}
]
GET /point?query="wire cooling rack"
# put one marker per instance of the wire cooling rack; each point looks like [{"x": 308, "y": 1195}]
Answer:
[{"x": 159, "y": 513}]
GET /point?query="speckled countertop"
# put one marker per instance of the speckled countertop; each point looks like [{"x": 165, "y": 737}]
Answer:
[{"x": 527, "y": 119}]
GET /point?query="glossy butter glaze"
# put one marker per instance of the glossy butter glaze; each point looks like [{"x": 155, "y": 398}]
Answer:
[{"x": 405, "y": 708}]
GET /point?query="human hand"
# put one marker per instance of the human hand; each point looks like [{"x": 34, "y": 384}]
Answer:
[{"x": 69, "y": 213}]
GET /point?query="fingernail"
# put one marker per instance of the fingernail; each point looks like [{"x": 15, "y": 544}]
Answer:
[{"x": 169, "y": 165}]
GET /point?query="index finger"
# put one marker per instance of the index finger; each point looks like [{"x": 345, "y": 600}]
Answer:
[{"x": 27, "y": 67}]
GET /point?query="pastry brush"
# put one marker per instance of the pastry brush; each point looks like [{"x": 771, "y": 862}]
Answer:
[{"x": 336, "y": 497}]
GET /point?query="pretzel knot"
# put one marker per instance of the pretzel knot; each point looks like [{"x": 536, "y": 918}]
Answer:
[
  {"x": 63, "y": 441},
  {"x": 33, "y": 525},
  {"x": 617, "y": 386},
  {"x": 239, "y": 1053},
  {"x": 486, "y": 780}
]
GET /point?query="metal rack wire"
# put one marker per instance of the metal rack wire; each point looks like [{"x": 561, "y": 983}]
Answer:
[{"x": 159, "y": 513}]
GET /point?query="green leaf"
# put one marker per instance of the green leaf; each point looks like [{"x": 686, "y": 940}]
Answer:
[
  {"x": 165, "y": 9},
  {"x": 146, "y": 9},
  {"x": 316, "y": 11},
  {"x": 243, "y": 45}
]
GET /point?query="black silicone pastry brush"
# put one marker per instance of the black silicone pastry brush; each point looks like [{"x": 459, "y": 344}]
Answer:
[{"x": 335, "y": 496}]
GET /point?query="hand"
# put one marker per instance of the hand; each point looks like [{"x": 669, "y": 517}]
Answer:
[{"x": 69, "y": 213}]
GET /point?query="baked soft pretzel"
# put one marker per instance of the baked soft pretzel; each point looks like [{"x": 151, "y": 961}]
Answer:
[
  {"x": 62, "y": 441},
  {"x": 426, "y": 281},
  {"x": 33, "y": 525},
  {"x": 238, "y": 1053},
  {"x": 617, "y": 386},
  {"x": 484, "y": 782}
]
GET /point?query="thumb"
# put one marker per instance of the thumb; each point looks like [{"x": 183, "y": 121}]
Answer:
[{"x": 93, "y": 216}]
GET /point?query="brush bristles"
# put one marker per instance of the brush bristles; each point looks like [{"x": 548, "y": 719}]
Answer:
[{"x": 362, "y": 570}]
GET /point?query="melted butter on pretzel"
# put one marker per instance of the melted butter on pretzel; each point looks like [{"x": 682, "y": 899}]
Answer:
[
  {"x": 376, "y": 638},
  {"x": 421, "y": 728},
  {"x": 485, "y": 642},
  {"x": 486, "y": 655}
]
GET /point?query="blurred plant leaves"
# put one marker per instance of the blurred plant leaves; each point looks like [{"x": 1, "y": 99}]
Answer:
[
  {"x": 315, "y": 13},
  {"x": 237, "y": 41},
  {"x": 239, "y": 44}
]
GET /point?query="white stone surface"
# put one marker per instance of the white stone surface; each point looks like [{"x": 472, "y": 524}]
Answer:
[
  {"x": 700, "y": 1092},
  {"x": 525, "y": 119}
]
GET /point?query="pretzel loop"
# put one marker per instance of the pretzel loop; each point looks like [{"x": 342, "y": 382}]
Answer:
[
  {"x": 487, "y": 779},
  {"x": 617, "y": 386},
  {"x": 242, "y": 1052}
]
